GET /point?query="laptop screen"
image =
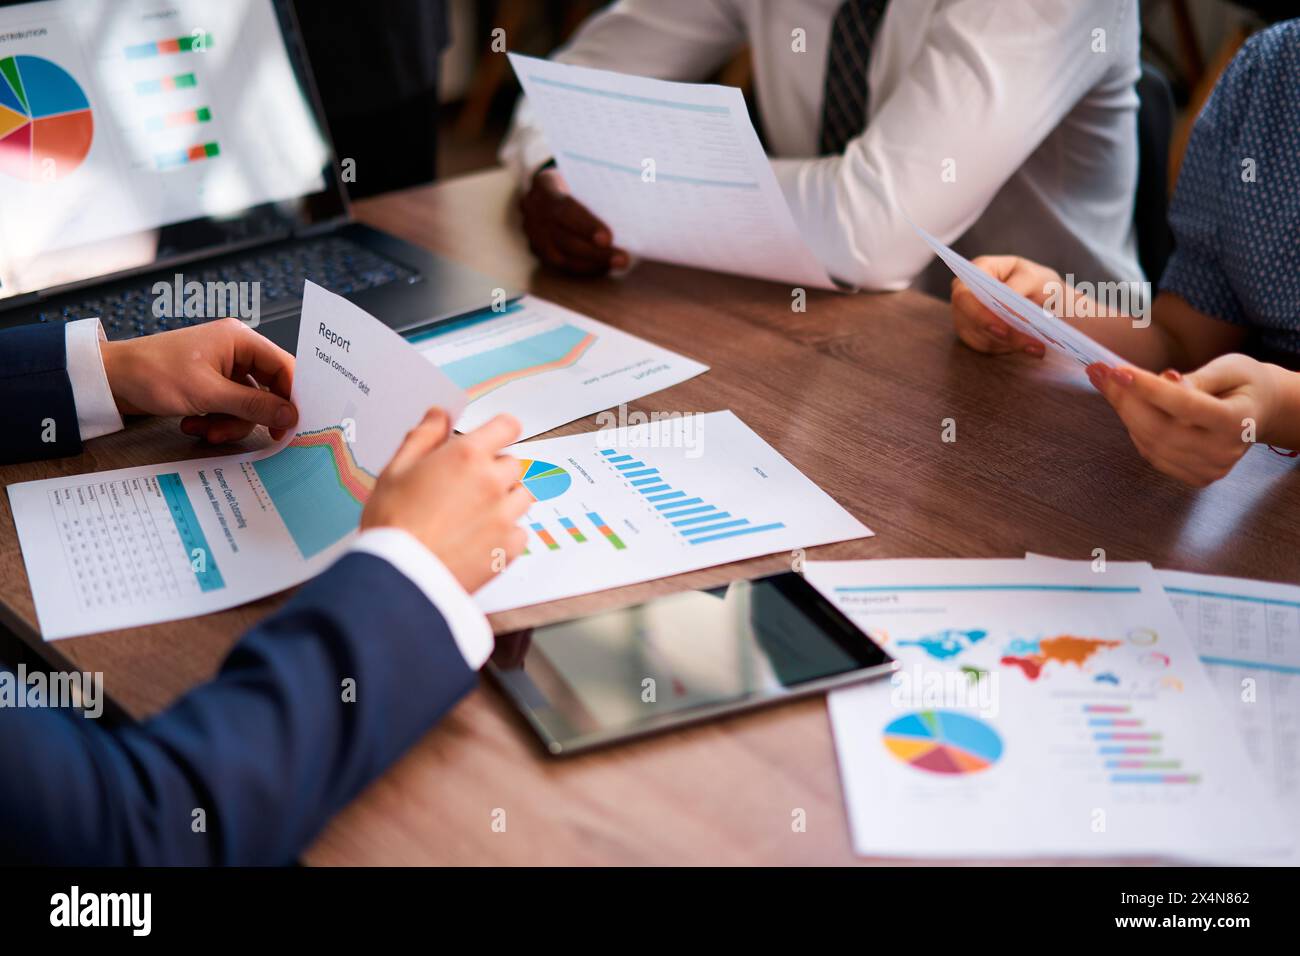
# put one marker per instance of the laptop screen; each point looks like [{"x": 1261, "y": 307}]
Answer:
[{"x": 137, "y": 133}]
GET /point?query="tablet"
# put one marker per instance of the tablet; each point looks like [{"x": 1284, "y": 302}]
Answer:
[{"x": 680, "y": 659}]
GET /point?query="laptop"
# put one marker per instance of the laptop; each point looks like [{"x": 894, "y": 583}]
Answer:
[{"x": 166, "y": 162}]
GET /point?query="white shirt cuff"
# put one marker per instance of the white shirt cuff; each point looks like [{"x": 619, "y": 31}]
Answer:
[
  {"x": 97, "y": 413},
  {"x": 469, "y": 628}
]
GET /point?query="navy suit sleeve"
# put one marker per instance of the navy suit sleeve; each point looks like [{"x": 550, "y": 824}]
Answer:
[
  {"x": 270, "y": 750},
  {"x": 38, "y": 417}
]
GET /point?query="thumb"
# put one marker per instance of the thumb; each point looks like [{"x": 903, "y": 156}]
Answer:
[
  {"x": 420, "y": 440},
  {"x": 1219, "y": 376},
  {"x": 251, "y": 404}
]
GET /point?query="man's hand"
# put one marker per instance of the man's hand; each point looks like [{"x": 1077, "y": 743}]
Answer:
[
  {"x": 460, "y": 497},
  {"x": 563, "y": 233},
  {"x": 981, "y": 329},
  {"x": 222, "y": 376},
  {"x": 1194, "y": 427}
]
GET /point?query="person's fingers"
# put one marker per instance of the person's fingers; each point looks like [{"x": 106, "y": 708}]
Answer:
[
  {"x": 516, "y": 503},
  {"x": 544, "y": 248},
  {"x": 505, "y": 472},
  {"x": 969, "y": 318},
  {"x": 1139, "y": 416},
  {"x": 576, "y": 218},
  {"x": 221, "y": 429},
  {"x": 581, "y": 251},
  {"x": 421, "y": 440},
  {"x": 494, "y": 434},
  {"x": 981, "y": 340},
  {"x": 1221, "y": 375},
  {"x": 1176, "y": 399},
  {"x": 990, "y": 333},
  {"x": 265, "y": 361},
  {"x": 999, "y": 267},
  {"x": 516, "y": 541},
  {"x": 220, "y": 395}
]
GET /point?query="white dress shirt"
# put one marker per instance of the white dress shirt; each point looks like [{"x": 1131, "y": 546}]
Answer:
[
  {"x": 1028, "y": 106},
  {"x": 97, "y": 415}
]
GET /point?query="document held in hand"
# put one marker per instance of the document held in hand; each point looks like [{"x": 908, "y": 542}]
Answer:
[
  {"x": 117, "y": 549},
  {"x": 674, "y": 169},
  {"x": 1020, "y": 313}
]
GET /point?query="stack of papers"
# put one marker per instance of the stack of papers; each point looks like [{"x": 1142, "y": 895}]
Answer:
[
  {"x": 1042, "y": 709},
  {"x": 611, "y": 507}
]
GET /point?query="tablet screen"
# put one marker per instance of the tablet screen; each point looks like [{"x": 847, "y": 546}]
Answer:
[{"x": 677, "y": 658}]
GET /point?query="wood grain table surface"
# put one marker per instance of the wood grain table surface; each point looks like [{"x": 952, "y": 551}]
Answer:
[{"x": 855, "y": 392}]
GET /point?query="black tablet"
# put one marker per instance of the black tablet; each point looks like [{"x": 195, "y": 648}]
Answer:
[{"x": 679, "y": 659}]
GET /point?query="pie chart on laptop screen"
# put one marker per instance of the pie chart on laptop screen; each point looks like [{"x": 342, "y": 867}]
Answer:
[{"x": 46, "y": 126}]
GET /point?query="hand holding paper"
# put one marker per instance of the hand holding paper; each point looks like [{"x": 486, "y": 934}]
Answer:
[{"x": 1025, "y": 317}]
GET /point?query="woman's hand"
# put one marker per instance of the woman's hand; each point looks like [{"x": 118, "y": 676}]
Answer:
[
  {"x": 1194, "y": 427},
  {"x": 981, "y": 329},
  {"x": 223, "y": 377}
]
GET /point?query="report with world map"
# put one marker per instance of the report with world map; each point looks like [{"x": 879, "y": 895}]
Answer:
[
  {"x": 136, "y": 546},
  {"x": 1041, "y": 709}
]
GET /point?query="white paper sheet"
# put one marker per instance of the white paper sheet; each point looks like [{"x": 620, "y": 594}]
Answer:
[
  {"x": 618, "y": 506},
  {"x": 136, "y": 546},
  {"x": 1093, "y": 732},
  {"x": 713, "y": 201},
  {"x": 1247, "y": 634},
  {"x": 1020, "y": 313},
  {"x": 547, "y": 365}
]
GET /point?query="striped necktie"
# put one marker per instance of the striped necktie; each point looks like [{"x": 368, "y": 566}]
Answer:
[{"x": 844, "y": 99}]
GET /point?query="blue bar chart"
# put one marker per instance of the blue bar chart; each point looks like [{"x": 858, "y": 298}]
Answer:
[{"x": 693, "y": 518}]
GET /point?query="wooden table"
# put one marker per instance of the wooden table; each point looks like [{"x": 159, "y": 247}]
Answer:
[{"x": 855, "y": 392}]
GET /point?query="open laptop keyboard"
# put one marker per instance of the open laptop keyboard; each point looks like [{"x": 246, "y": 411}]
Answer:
[{"x": 338, "y": 264}]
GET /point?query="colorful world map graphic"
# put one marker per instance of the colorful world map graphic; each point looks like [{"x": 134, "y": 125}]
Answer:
[
  {"x": 946, "y": 644},
  {"x": 1062, "y": 650}
]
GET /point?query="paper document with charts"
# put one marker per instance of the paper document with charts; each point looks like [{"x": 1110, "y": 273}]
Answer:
[
  {"x": 622, "y": 505},
  {"x": 1247, "y": 634},
  {"x": 674, "y": 169},
  {"x": 1039, "y": 710},
  {"x": 136, "y": 546},
  {"x": 546, "y": 364}
]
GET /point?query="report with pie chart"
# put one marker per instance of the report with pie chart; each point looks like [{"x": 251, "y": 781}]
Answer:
[
  {"x": 46, "y": 124},
  {"x": 996, "y": 739}
]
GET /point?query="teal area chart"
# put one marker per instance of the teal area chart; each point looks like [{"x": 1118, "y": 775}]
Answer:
[
  {"x": 487, "y": 371},
  {"x": 317, "y": 488}
]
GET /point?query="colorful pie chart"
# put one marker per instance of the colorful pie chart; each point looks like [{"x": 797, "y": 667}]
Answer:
[
  {"x": 942, "y": 741},
  {"x": 542, "y": 479},
  {"x": 46, "y": 126}
]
